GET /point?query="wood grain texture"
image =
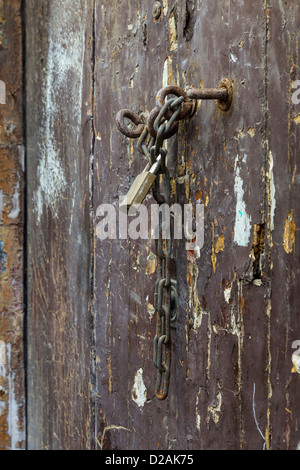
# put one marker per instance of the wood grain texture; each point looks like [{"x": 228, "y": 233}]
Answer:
[
  {"x": 283, "y": 147},
  {"x": 12, "y": 389},
  {"x": 58, "y": 110}
]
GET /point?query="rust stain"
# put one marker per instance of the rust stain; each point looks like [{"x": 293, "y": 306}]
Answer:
[
  {"x": 220, "y": 245},
  {"x": 251, "y": 131},
  {"x": 213, "y": 255},
  {"x": 289, "y": 234},
  {"x": 109, "y": 375},
  {"x": 151, "y": 264},
  {"x": 294, "y": 174},
  {"x": 287, "y": 430},
  {"x": 173, "y": 32}
]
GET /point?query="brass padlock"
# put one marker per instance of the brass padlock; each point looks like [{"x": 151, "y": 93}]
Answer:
[{"x": 140, "y": 188}]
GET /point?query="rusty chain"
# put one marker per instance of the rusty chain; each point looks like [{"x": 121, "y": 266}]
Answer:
[
  {"x": 165, "y": 287},
  {"x": 162, "y": 123},
  {"x": 188, "y": 109}
]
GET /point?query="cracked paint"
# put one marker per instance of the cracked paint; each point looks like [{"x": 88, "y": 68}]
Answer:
[
  {"x": 173, "y": 33},
  {"x": 215, "y": 410}
]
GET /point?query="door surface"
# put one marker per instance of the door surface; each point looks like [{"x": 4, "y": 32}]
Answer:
[{"x": 91, "y": 320}]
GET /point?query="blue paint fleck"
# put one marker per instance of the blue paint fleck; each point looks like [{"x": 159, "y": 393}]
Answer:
[
  {"x": 3, "y": 257},
  {"x": 241, "y": 214}
]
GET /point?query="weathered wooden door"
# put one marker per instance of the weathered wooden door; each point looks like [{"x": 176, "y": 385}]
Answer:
[{"x": 90, "y": 322}]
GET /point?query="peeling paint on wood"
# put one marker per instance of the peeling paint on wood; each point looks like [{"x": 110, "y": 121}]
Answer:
[
  {"x": 139, "y": 391},
  {"x": 242, "y": 228},
  {"x": 224, "y": 340},
  {"x": 12, "y": 390},
  {"x": 289, "y": 234}
]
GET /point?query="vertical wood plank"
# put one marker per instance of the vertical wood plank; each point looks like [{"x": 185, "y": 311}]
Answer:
[
  {"x": 283, "y": 236},
  {"x": 130, "y": 55},
  {"x": 221, "y": 163},
  {"x": 58, "y": 122}
]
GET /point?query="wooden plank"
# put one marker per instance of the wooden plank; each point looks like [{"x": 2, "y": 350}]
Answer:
[
  {"x": 283, "y": 237},
  {"x": 218, "y": 160},
  {"x": 12, "y": 389},
  {"x": 220, "y": 163},
  {"x": 59, "y": 40},
  {"x": 129, "y": 62}
]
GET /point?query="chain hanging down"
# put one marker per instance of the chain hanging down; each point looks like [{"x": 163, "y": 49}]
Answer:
[
  {"x": 162, "y": 123},
  {"x": 165, "y": 296}
]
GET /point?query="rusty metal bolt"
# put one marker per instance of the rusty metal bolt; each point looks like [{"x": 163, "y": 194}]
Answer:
[{"x": 156, "y": 12}]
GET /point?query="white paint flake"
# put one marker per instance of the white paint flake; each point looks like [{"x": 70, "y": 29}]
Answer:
[
  {"x": 272, "y": 199},
  {"x": 12, "y": 406},
  {"x": 198, "y": 417},
  {"x": 227, "y": 294},
  {"x": 165, "y": 7},
  {"x": 165, "y": 80},
  {"x": 242, "y": 228},
  {"x": 2, "y": 359},
  {"x": 139, "y": 391},
  {"x": 15, "y": 211}
]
